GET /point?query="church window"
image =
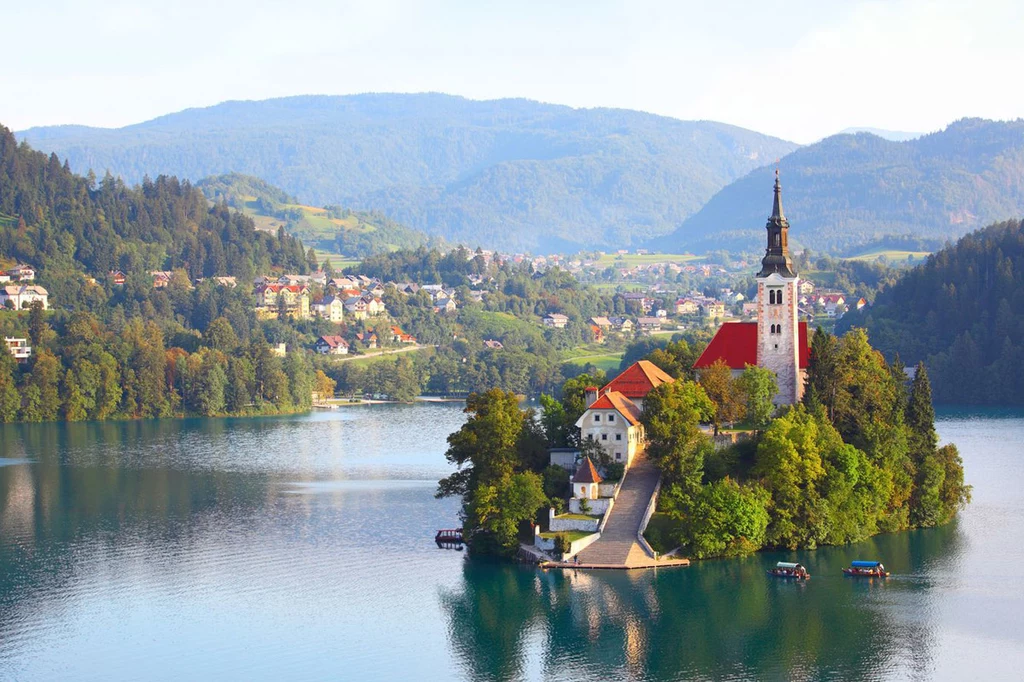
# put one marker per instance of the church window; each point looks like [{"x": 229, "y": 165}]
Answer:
[
  {"x": 597, "y": 417},
  {"x": 604, "y": 436},
  {"x": 611, "y": 417},
  {"x": 618, "y": 436}
]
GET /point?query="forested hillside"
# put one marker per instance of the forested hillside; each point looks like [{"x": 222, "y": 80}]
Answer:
[
  {"x": 335, "y": 229},
  {"x": 962, "y": 312},
  {"x": 509, "y": 174},
  {"x": 109, "y": 349},
  {"x": 849, "y": 190}
]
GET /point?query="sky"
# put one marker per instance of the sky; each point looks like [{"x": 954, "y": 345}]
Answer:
[{"x": 799, "y": 70}]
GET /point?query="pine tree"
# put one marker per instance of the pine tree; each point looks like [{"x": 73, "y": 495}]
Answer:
[{"x": 921, "y": 416}]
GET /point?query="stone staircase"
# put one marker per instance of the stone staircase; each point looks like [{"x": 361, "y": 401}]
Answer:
[{"x": 618, "y": 545}]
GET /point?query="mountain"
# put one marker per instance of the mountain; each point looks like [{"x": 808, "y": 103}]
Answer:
[
  {"x": 962, "y": 313},
  {"x": 68, "y": 226},
  {"x": 850, "y": 190},
  {"x": 512, "y": 174},
  {"x": 333, "y": 229},
  {"x": 891, "y": 135}
]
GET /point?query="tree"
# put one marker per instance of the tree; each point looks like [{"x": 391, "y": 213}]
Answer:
[
  {"x": 822, "y": 382},
  {"x": 9, "y": 398},
  {"x": 323, "y": 385},
  {"x": 497, "y": 509},
  {"x": 74, "y": 405},
  {"x": 724, "y": 392},
  {"x": 484, "y": 449},
  {"x": 219, "y": 335},
  {"x": 725, "y": 519},
  {"x": 760, "y": 388},
  {"x": 37, "y": 326},
  {"x": 921, "y": 414},
  {"x": 671, "y": 417},
  {"x": 44, "y": 378}
]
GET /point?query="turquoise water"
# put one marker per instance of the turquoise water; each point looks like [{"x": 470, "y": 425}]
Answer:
[{"x": 301, "y": 548}]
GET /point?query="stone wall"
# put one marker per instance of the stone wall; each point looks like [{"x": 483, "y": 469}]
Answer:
[
  {"x": 557, "y": 524},
  {"x": 597, "y": 507}
]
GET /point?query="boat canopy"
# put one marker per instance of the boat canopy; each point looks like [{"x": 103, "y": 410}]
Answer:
[
  {"x": 865, "y": 564},
  {"x": 786, "y": 564}
]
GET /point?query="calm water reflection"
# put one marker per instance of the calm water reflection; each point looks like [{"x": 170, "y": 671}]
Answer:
[{"x": 300, "y": 548}]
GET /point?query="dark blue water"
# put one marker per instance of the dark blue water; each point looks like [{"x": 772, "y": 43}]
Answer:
[{"x": 300, "y": 548}]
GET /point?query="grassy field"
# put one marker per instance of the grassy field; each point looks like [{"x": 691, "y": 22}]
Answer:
[
  {"x": 604, "y": 361},
  {"x": 890, "y": 255},
  {"x": 631, "y": 259}
]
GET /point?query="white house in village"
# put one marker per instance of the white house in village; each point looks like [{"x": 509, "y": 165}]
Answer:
[
  {"x": 21, "y": 296},
  {"x": 612, "y": 417},
  {"x": 329, "y": 308}
]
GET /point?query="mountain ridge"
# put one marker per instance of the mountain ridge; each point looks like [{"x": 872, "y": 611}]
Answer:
[
  {"x": 848, "y": 190},
  {"x": 509, "y": 173}
]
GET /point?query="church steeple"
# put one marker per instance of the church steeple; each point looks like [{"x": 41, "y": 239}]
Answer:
[{"x": 776, "y": 256}]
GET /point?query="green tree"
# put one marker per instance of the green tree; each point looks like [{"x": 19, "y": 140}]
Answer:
[
  {"x": 760, "y": 388},
  {"x": 725, "y": 392},
  {"x": 9, "y": 398},
  {"x": 74, "y": 404},
  {"x": 37, "y": 326},
  {"x": 671, "y": 417},
  {"x": 725, "y": 519}
]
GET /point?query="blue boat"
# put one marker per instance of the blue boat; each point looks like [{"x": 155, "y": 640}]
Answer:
[
  {"x": 786, "y": 569},
  {"x": 866, "y": 569}
]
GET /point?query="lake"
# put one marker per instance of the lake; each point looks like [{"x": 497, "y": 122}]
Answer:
[{"x": 302, "y": 548}]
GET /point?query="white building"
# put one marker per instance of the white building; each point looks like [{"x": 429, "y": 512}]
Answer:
[{"x": 21, "y": 296}]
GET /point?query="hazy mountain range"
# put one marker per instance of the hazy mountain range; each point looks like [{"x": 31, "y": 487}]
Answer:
[
  {"x": 849, "y": 190},
  {"x": 504, "y": 173},
  {"x": 517, "y": 174}
]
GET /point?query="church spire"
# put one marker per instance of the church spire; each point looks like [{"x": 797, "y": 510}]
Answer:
[
  {"x": 776, "y": 256},
  {"x": 777, "y": 207}
]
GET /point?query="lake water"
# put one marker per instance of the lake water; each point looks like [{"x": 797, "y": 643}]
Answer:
[{"x": 301, "y": 548}]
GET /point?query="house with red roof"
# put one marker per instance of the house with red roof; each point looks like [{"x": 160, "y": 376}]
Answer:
[{"x": 612, "y": 418}]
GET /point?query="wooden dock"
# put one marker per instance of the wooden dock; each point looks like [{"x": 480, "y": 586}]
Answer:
[{"x": 630, "y": 566}]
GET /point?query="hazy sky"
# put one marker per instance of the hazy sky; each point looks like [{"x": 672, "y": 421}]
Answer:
[{"x": 799, "y": 70}]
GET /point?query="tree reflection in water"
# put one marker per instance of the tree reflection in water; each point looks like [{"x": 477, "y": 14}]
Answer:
[{"x": 716, "y": 619}]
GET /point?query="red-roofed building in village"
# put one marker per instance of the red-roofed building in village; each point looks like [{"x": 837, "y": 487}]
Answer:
[
  {"x": 612, "y": 418},
  {"x": 777, "y": 341}
]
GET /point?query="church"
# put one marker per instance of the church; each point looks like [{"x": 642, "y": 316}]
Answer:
[{"x": 778, "y": 340}]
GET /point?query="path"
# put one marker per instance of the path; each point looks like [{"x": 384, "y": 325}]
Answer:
[
  {"x": 404, "y": 349},
  {"x": 618, "y": 546}
]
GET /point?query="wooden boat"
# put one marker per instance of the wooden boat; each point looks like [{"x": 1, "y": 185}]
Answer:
[
  {"x": 866, "y": 569},
  {"x": 449, "y": 538},
  {"x": 786, "y": 569}
]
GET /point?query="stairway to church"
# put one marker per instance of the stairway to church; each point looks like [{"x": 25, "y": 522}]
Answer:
[{"x": 618, "y": 545}]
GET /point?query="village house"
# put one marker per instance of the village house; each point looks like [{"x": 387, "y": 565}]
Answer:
[
  {"x": 713, "y": 310},
  {"x": 330, "y": 308},
  {"x": 445, "y": 305},
  {"x": 161, "y": 278},
  {"x": 650, "y": 324},
  {"x": 556, "y": 320},
  {"x": 21, "y": 296},
  {"x": 368, "y": 339},
  {"x": 598, "y": 333},
  {"x": 19, "y": 348},
  {"x": 622, "y": 324},
  {"x": 612, "y": 418},
  {"x": 22, "y": 273},
  {"x": 493, "y": 344},
  {"x": 355, "y": 306},
  {"x": 602, "y": 322},
  {"x": 117, "y": 278},
  {"x": 331, "y": 345},
  {"x": 398, "y": 336},
  {"x": 295, "y": 299}
]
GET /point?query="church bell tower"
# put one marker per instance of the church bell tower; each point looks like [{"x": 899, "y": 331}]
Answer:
[{"x": 778, "y": 289}]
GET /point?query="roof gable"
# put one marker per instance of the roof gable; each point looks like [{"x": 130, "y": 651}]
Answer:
[{"x": 638, "y": 380}]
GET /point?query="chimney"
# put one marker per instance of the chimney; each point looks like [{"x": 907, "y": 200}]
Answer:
[{"x": 591, "y": 393}]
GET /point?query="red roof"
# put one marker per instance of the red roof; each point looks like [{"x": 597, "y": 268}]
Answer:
[
  {"x": 736, "y": 343},
  {"x": 638, "y": 379},
  {"x": 614, "y": 400},
  {"x": 586, "y": 473}
]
